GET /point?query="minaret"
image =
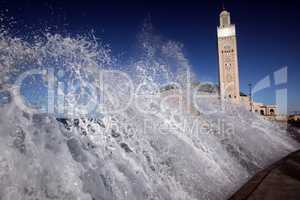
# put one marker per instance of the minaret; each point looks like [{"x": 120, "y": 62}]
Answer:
[{"x": 228, "y": 60}]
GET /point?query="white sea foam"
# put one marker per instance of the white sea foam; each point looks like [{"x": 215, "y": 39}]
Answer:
[{"x": 150, "y": 150}]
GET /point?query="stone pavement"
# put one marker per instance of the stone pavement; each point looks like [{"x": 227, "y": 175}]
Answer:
[{"x": 280, "y": 181}]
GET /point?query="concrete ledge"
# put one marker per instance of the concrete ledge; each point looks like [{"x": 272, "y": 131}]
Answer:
[{"x": 280, "y": 181}]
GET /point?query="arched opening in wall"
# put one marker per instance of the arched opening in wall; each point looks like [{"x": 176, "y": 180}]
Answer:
[
  {"x": 272, "y": 112},
  {"x": 256, "y": 110},
  {"x": 229, "y": 96},
  {"x": 262, "y": 112}
]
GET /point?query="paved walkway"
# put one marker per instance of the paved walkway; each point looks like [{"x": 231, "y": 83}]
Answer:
[{"x": 281, "y": 181}]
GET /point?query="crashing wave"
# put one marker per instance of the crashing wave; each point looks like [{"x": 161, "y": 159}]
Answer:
[{"x": 165, "y": 145}]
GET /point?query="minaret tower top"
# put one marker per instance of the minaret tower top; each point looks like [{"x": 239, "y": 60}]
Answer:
[{"x": 224, "y": 19}]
